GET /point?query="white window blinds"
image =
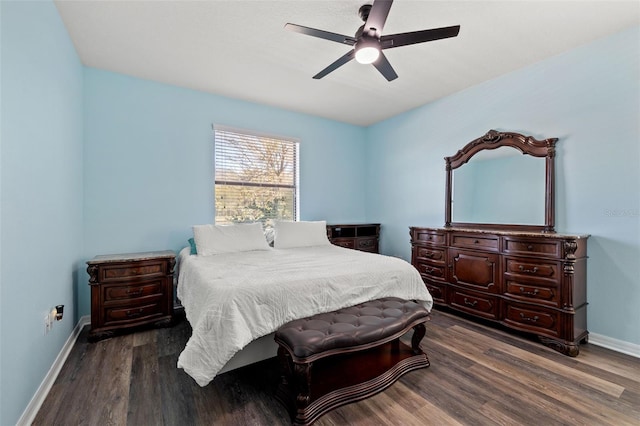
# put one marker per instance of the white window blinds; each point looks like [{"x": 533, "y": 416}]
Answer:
[{"x": 256, "y": 177}]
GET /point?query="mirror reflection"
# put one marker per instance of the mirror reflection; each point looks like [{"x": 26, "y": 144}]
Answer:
[{"x": 500, "y": 186}]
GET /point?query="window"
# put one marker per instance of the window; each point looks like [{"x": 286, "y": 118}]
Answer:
[{"x": 256, "y": 177}]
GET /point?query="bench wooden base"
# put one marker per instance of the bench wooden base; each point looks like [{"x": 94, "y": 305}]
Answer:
[{"x": 309, "y": 390}]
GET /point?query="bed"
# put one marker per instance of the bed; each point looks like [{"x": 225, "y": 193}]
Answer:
[{"x": 236, "y": 300}]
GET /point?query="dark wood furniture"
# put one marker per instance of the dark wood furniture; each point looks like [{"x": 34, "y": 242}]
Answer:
[
  {"x": 363, "y": 237},
  {"x": 129, "y": 291},
  {"x": 532, "y": 282},
  {"x": 528, "y": 145},
  {"x": 525, "y": 277},
  {"x": 335, "y": 358}
]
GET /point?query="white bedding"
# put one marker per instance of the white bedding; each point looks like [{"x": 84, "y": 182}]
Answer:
[{"x": 231, "y": 299}]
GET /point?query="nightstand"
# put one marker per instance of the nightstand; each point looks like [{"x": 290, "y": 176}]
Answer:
[
  {"x": 129, "y": 291},
  {"x": 363, "y": 237}
]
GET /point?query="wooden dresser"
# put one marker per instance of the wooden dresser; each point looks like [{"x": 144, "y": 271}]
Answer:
[
  {"x": 129, "y": 291},
  {"x": 363, "y": 237},
  {"x": 530, "y": 281}
]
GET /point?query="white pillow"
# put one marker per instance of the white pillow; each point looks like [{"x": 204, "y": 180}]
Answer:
[
  {"x": 217, "y": 239},
  {"x": 300, "y": 234}
]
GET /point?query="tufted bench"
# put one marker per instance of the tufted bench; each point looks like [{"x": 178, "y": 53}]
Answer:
[{"x": 335, "y": 358}]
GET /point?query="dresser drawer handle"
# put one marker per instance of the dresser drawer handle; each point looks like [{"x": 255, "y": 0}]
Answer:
[
  {"x": 429, "y": 254},
  {"x": 429, "y": 270},
  {"x": 136, "y": 292},
  {"x": 529, "y": 293},
  {"x": 472, "y": 304},
  {"x": 528, "y": 271},
  {"x": 135, "y": 313},
  {"x": 529, "y": 247},
  {"x": 530, "y": 319},
  {"x": 476, "y": 242}
]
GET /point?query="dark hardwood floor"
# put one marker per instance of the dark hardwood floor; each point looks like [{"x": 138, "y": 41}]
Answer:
[{"x": 478, "y": 376}]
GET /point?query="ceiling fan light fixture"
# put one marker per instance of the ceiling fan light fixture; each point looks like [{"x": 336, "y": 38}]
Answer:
[
  {"x": 368, "y": 41},
  {"x": 367, "y": 50},
  {"x": 367, "y": 54}
]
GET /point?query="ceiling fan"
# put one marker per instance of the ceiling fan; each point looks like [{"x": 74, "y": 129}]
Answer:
[{"x": 368, "y": 42}]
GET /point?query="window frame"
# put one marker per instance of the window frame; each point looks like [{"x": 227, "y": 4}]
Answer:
[{"x": 254, "y": 134}]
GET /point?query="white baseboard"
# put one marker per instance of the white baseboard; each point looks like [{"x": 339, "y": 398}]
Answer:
[
  {"x": 615, "y": 344},
  {"x": 36, "y": 402}
]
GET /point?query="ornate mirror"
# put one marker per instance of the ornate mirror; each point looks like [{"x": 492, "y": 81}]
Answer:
[{"x": 504, "y": 184}]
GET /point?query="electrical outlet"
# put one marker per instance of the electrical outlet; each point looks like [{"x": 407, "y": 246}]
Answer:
[{"x": 47, "y": 323}]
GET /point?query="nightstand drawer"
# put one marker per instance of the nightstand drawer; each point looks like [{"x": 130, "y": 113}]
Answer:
[
  {"x": 349, "y": 243},
  {"x": 128, "y": 292},
  {"x": 123, "y": 271},
  {"x": 119, "y": 315},
  {"x": 368, "y": 244}
]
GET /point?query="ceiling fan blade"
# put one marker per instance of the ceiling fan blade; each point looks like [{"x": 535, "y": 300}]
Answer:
[
  {"x": 338, "y": 63},
  {"x": 403, "y": 39},
  {"x": 385, "y": 68},
  {"x": 378, "y": 16},
  {"x": 339, "y": 38}
]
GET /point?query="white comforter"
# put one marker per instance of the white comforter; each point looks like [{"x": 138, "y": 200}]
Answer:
[{"x": 232, "y": 299}]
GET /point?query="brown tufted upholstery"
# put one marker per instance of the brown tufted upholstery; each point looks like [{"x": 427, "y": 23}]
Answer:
[{"x": 376, "y": 321}]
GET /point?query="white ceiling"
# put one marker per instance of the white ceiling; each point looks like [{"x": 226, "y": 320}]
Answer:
[{"x": 239, "y": 48}]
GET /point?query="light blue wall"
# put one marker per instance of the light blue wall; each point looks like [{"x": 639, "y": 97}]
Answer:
[
  {"x": 589, "y": 99},
  {"x": 148, "y": 159},
  {"x": 94, "y": 162},
  {"x": 41, "y": 195}
]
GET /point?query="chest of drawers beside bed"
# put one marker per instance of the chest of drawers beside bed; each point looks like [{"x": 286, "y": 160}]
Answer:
[
  {"x": 363, "y": 237},
  {"x": 129, "y": 291}
]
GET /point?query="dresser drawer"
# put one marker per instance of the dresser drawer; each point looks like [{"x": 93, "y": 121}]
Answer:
[
  {"x": 113, "y": 272},
  {"x": 523, "y": 268},
  {"x": 113, "y": 293},
  {"x": 475, "y": 270},
  {"x": 533, "y": 319},
  {"x": 484, "y": 242},
  {"x": 429, "y": 236},
  {"x": 368, "y": 244},
  {"x": 344, "y": 242},
  {"x": 121, "y": 315},
  {"x": 532, "y": 292},
  {"x": 535, "y": 247},
  {"x": 437, "y": 289},
  {"x": 431, "y": 270},
  {"x": 434, "y": 255},
  {"x": 482, "y": 305}
]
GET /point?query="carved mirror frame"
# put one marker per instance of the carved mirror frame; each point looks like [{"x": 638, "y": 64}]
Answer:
[{"x": 527, "y": 145}]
